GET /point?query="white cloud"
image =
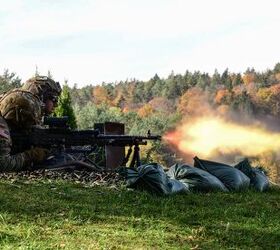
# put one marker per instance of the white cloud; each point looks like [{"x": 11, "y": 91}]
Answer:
[{"x": 71, "y": 37}]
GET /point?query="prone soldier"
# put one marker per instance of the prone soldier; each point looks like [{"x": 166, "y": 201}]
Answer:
[{"x": 20, "y": 109}]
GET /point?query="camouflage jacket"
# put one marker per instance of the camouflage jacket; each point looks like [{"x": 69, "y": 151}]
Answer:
[
  {"x": 9, "y": 162},
  {"x": 21, "y": 109}
]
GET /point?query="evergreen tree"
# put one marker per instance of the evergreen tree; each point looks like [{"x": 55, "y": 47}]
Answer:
[
  {"x": 157, "y": 88},
  {"x": 242, "y": 103},
  {"x": 237, "y": 80},
  {"x": 203, "y": 81},
  {"x": 226, "y": 80},
  {"x": 65, "y": 108},
  {"x": 276, "y": 68},
  {"x": 215, "y": 80},
  {"x": 139, "y": 92},
  {"x": 9, "y": 81}
]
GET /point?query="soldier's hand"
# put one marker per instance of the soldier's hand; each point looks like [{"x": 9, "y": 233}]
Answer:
[{"x": 37, "y": 155}]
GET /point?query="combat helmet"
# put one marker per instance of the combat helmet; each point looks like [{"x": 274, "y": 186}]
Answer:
[
  {"x": 43, "y": 87},
  {"x": 21, "y": 109}
]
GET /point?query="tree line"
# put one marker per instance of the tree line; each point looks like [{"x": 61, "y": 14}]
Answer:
[
  {"x": 251, "y": 93},
  {"x": 160, "y": 103}
]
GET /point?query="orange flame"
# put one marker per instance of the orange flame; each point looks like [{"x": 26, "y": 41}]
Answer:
[{"x": 208, "y": 136}]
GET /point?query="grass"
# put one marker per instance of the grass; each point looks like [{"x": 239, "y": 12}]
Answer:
[{"x": 61, "y": 215}]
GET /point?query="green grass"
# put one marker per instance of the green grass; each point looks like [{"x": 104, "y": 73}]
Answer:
[{"x": 60, "y": 215}]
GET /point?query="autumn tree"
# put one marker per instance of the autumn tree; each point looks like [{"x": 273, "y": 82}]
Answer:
[
  {"x": 223, "y": 96},
  {"x": 194, "y": 103},
  {"x": 145, "y": 111},
  {"x": 249, "y": 76},
  {"x": 268, "y": 100},
  {"x": 100, "y": 95},
  {"x": 162, "y": 104}
]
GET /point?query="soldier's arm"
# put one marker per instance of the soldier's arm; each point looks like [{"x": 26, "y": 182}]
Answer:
[{"x": 10, "y": 162}]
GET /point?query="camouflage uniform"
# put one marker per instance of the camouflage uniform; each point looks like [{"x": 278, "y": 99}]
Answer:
[
  {"x": 20, "y": 109},
  {"x": 10, "y": 162}
]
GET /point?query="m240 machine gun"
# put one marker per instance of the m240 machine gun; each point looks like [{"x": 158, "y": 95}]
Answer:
[{"x": 57, "y": 136}]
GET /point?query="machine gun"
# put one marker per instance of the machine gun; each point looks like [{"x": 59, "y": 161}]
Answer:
[{"x": 58, "y": 136}]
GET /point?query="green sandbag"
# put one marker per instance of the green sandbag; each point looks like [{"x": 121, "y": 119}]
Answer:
[
  {"x": 231, "y": 177},
  {"x": 152, "y": 178},
  {"x": 258, "y": 179},
  {"x": 197, "y": 179}
]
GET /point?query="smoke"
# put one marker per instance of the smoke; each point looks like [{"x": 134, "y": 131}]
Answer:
[
  {"x": 210, "y": 136},
  {"x": 221, "y": 134}
]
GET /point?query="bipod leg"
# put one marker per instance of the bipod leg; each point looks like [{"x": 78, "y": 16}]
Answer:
[
  {"x": 127, "y": 156},
  {"x": 136, "y": 157}
]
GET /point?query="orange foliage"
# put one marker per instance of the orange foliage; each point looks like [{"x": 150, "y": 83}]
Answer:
[
  {"x": 100, "y": 95},
  {"x": 161, "y": 104},
  {"x": 275, "y": 89},
  {"x": 251, "y": 88},
  {"x": 221, "y": 95},
  {"x": 119, "y": 101},
  {"x": 145, "y": 111},
  {"x": 269, "y": 99},
  {"x": 277, "y": 77},
  {"x": 194, "y": 103},
  {"x": 125, "y": 110},
  {"x": 238, "y": 90},
  {"x": 248, "y": 78}
]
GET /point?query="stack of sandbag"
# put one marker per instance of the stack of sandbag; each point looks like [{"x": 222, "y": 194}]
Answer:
[
  {"x": 205, "y": 176},
  {"x": 152, "y": 178},
  {"x": 197, "y": 179},
  {"x": 231, "y": 177},
  {"x": 258, "y": 179}
]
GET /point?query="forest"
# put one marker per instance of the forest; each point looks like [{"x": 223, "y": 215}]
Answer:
[{"x": 160, "y": 104}]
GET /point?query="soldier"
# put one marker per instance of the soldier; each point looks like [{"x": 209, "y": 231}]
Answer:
[
  {"x": 20, "y": 109},
  {"x": 36, "y": 98}
]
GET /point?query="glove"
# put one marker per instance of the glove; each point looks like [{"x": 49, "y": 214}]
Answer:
[{"x": 37, "y": 155}]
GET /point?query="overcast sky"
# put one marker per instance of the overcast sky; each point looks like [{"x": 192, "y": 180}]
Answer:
[{"x": 88, "y": 42}]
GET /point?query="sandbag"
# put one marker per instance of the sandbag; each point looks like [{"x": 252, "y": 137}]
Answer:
[
  {"x": 258, "y": 179},
  {"x": 152, "y": 178},
  {"x": 231, "y": 177},
  {"x": 197, "y": 179}
]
